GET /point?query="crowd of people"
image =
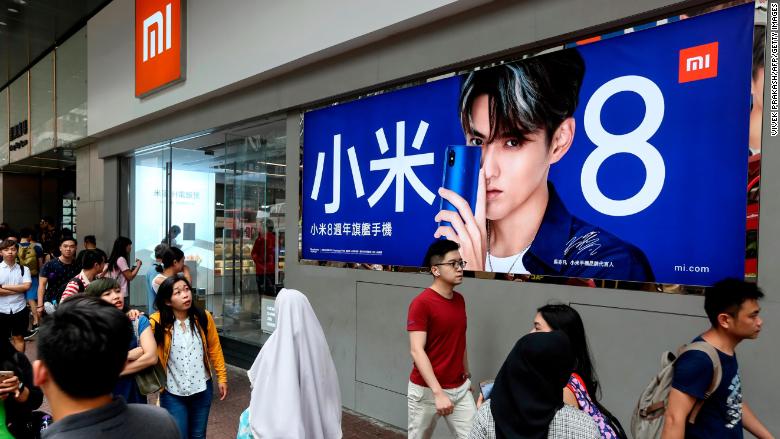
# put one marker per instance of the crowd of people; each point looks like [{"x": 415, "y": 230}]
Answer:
[
  {"x": 77, "y": 303},
  {"x": 98, "y": 359},
  {"x": 548, "y": 387}
]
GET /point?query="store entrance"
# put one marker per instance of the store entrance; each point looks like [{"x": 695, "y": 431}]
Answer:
[
  {"x": 219, "y": 197},
  {"x": 172, "y": 198}
]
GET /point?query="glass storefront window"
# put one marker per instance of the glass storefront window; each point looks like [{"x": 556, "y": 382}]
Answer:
[
  {"x": 4, "y": 127},
  {"x": 19, "y": 117},
  {"x": 42, "y": 117},
  {"x": 223, "y": 205},
  {"x": 72, "y": 89},
  {"x": 250, "y": 254}
]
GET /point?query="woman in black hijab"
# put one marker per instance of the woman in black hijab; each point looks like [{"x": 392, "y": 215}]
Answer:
[{"x": 527, "y": 397}]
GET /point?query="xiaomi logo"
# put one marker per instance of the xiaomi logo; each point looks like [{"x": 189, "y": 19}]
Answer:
[
  {"x": 159, "y": 44},
  {"x": 698, "y": 62}
]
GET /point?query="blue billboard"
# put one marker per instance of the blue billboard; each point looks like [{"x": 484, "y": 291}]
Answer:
[{"x": 622, "y": 159}]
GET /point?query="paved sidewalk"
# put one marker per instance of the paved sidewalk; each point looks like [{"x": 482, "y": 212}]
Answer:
[{"x": 223, "y": 419}]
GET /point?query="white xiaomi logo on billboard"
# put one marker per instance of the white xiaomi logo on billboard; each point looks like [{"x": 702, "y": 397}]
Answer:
[
  {"x": 153, "y": 33},
  {"x": 697, "y": 63}
]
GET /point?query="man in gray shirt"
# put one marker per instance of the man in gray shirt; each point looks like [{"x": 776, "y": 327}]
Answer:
[{"x": 82, "y": 348}]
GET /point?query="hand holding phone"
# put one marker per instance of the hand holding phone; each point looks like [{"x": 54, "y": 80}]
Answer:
[
  {"x": 485, "y": 387},
  {"x": 8, "y": 388},
  {"x": 462, "y": 215}
]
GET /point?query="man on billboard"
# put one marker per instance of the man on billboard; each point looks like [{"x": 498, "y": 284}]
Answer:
[{"x": 521, "y": 115}]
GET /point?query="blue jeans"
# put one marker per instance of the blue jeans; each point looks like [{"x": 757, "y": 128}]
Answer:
[{"x": 191, "y": 413}]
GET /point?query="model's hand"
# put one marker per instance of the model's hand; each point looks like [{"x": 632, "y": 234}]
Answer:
[
  {"x": 223, "y": 391},
  {"x": 467, "y": 226},
  {"x": 480, "y": 400}
]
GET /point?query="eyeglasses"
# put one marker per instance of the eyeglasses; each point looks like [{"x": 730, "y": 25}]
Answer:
[{"x": 455, "y": 264}]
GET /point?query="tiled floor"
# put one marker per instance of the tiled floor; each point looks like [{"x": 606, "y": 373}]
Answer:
[{"x": 223, "y": 419}]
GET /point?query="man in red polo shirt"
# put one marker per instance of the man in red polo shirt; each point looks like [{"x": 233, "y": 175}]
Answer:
[{"x": 439, "y": 384}]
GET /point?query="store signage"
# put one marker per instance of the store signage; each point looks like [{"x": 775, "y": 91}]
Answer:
[
  {"x": 17, "y": 131},
  {"x": 621, "y": 159},
  {"x": 159, "y": 44}
]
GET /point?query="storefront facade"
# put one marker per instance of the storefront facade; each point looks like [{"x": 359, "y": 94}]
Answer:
[{"x": 218, "y": 155}]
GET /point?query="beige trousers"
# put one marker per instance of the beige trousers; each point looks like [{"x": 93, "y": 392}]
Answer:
[{"x": 422, "y": 411}]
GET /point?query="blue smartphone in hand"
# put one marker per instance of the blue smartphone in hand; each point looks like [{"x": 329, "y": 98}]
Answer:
[
  {"x": 486, "y": 387},
  {"x": 461, "y": 175}
]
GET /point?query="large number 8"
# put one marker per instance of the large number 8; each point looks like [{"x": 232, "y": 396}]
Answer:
[{"x": 635, "y": 143}]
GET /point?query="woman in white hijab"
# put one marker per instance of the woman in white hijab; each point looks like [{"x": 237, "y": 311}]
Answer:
[{"x": 295, "y": 389}]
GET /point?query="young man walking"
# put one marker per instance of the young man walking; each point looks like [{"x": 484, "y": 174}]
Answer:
[
  {"x": 14, "y": 283},
  {"x": 57, "y": 273},
  {"x": 81, "y": 351},
  {"x": 732, "y": 308},
  {"x": 439, "y": 385}
]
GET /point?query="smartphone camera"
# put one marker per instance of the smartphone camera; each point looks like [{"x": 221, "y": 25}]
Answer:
[{"x": 451, "y": 158}]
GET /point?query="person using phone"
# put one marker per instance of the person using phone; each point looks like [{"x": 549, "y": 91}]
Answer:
[
  {"x": 583, "y": 390},
  {"x": 527, "y": 401},
  {"x": 118, "y": 267},
  {"x": 521, "y": 115},
  {"x": 18, "y": 395}
]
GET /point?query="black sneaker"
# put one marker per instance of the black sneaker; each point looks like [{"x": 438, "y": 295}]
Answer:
[{"x": 30, "y": 334}]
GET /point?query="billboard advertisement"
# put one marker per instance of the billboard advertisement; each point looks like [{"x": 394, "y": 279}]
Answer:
[{"x": 622, "y": 159}]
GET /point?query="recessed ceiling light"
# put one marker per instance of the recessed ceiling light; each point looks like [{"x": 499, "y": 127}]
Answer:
[
  {"x": 2, "y": 23},
  {"x": 13, "y": 10},
  {"x": 20, "y": 2}
]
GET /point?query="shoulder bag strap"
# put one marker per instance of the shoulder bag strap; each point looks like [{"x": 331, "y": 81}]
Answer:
[{"x": 717, "y": 374}]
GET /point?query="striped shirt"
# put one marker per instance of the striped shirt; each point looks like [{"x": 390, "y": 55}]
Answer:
[{"x": 72, "y": 288}]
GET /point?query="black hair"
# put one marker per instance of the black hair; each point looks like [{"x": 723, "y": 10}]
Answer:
[
  {"x": 535, "y": 93},
  {"x": 84, "y": 346},
  {"x": 91, "y": 257},
  {"x": 437, "y": 250},
  {"x": 727, "y": 296},
  {"x": 167, "y": 318},
  {"x": 7, "y": 243},
  {"x": 68, "y": 238},
  {"x": 11, "y": 234},
  {"x": 159, "y": 249},
  {"x": 759, "y": 34},
  {"x": 560, "y": 317},
  {"x": 118, "y": 251},
  {"x": 90, "y": 239},
  {"x": 169, "y": 256},
  {"x": 26, "y": 232},
  {"x": 564, "y": 318}
]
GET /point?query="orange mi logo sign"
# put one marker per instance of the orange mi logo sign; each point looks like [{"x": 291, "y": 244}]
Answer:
[
  {"x": 159, "y": 44},
  {"x": 698, "y": 62}
]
